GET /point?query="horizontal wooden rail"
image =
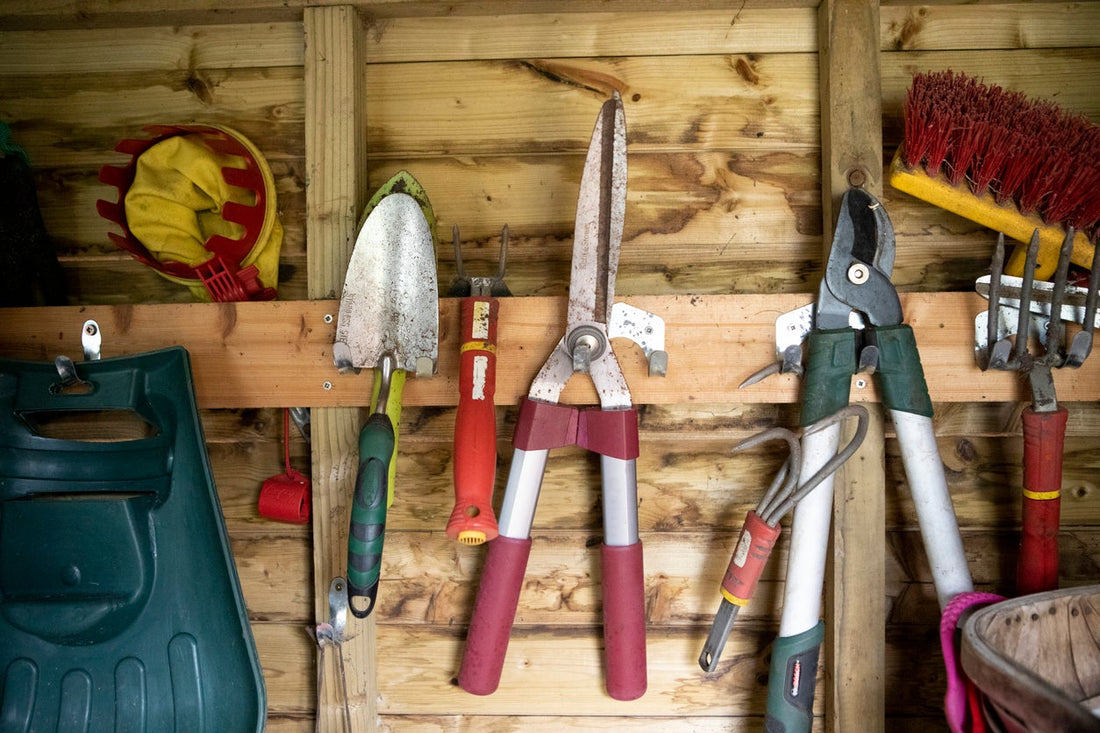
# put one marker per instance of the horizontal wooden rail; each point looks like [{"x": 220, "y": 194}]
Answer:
[{"x": 279, "y": 354}]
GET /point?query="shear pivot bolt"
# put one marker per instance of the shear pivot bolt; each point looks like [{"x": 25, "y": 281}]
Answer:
[
  {"x": 586, "y": 344},
  {"x": 858, "y": 274}
]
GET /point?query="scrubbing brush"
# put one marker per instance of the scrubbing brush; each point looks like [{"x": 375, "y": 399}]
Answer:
[{"x": 1004, "y": 161}]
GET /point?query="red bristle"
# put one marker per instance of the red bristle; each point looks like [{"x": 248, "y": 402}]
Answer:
[
  {"x": 1017, "y": 166},
  {"x": 1026, "y": 151},
  {"x": 939, "y": 142},
  {"x": 1066, "y": 198},
  {"x": 1086, "y": 212},
  {"x": 916, "y": 123},
  {"x": 990, "y": 159},
  {"x": 964, "y": 149},
  {"x": 928, "y": 121}
]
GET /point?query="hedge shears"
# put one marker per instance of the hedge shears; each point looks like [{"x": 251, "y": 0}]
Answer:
[{"x": 610, "y": 430}]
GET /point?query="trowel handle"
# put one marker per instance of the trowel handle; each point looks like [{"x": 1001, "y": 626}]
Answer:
[
  {"x": 1044, "y": 439},
  {"x": 393, "y": 411},
  {"x": 475, "y": 446},
  {"x": 368, "y": 513}
]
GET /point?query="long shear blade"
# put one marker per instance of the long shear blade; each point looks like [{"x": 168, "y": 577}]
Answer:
[{"x": 599, "y": 226}]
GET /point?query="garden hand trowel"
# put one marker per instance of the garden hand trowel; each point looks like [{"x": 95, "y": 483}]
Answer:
[{"x": 389, "y": 322}]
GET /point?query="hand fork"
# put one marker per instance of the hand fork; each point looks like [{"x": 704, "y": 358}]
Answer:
[{"x": 1040, "y": 309}]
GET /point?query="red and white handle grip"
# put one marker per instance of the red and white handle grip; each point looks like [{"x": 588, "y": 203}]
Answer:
[
  {"x": 475, "y": 447},
  {"x": 1044, "y": 439},
  {"x": 750, "y": 555}
]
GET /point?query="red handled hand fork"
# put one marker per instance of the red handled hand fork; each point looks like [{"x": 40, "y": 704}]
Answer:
[
  {"x": 610, "y": 430},
  {"x": 475, "y": 453},
  {"x": 1029, "y": 308},
  {"x": 761, "y": 529}
]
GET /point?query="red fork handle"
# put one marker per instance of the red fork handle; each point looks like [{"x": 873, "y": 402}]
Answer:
[
  {"x": 1044, "y": 440},
  {"x": 624, "y": 620},
  {"x": 494, "y": 614},
  {"x": 475, "y": 447}
]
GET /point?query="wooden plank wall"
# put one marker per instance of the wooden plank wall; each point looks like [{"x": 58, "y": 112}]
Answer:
[{"x": 493, "y": 115}]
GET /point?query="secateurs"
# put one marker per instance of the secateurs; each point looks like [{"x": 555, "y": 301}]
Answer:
[
  {"x": 855, "y": 325},
  {"x": 1029, "y": 308},
  {"x": 475, "y": 455},
  {"x": 761, "y": 528},
  {"x": 611, "y": 430}
]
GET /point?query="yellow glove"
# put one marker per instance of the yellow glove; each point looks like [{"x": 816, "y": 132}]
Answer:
[{"x": 174, "y": 205}]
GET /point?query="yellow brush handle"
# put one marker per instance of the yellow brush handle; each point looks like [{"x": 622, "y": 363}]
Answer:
[
  {"x": 986, "y": 211},
  {"x": 393, "y": 411}
]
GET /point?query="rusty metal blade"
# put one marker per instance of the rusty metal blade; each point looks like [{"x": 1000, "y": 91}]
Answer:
[
  {"x": 599, "y": 226},
  {"x": 390, "y": 301}
]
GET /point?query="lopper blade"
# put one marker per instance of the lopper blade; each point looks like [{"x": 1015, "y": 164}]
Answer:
[
  {"x": 600, "y": 212},
  {"x": 861, "y": 261},
  {"x": 390, "y": 298}
]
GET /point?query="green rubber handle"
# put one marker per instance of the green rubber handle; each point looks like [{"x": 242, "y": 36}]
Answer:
[
  {"x": 900, "y": 370},
  {"x": 791, "y": 681},
  {"x": 368, "y": 513},
  {"x": 830, "y": 364}
]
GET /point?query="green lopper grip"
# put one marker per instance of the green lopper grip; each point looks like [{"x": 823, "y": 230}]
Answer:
[
  {"x": 791, "y": 681},
  {"x": 368, "y": 512},
  {"x": 830, "y": 364},
  {"x": 900, "y": 371}
]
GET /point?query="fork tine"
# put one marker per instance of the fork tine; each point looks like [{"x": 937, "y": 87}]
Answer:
[
  {"x": 1081, "y": 347},
  {"x": 1020, "y": 352},
  {"x": 1055, "y": 328},
  {"x": 996, "y": 269}
]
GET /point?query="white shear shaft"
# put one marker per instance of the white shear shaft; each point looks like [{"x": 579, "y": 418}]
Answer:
[
  {"x": 935, "y": 513},
  {"x": 809, "y": 537}
]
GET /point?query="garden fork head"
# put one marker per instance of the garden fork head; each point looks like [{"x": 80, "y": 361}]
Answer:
[{"x": 1026, "y": 308}]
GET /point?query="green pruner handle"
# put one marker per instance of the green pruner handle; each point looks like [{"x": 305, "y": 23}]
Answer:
[
  {"x": 900, "y": 371},
  {"x": 368, "y": 513},
  {"x": 791, "y": 681},
  {"x": 827, "y": 382}
]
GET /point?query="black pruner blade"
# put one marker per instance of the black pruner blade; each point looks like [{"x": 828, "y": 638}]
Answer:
[{"x": 861, "y": 261}]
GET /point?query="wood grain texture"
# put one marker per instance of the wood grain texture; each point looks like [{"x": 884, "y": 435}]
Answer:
[
  {"x": 905, "y": 26},
  {"x": 336, "y": 155},
  {"x": 253, "y": 354},
  {"x": 851, "y": 146},
  {"x": 490, "y": 103}
]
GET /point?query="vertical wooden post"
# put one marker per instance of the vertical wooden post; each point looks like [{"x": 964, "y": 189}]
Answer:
[
  {"x": 336, "y": 191},
  {"x": 851, "y": 154}
]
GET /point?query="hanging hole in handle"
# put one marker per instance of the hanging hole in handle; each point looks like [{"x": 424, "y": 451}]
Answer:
[
  {"x": 90, "y": 426},
  {"x": 361, "y": 606},
  {"x": 79, "y": 387}
]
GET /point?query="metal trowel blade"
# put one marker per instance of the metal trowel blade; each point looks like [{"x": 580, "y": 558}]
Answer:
[{"x": 390, "y": 301}]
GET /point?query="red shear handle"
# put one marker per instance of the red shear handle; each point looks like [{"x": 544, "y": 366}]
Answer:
[
  {"x": 624, "y": 620},
  {"x": 475, "y": 453},
  {"x": 1044, "y": 437},
  {"x": 494, "y": 613}
]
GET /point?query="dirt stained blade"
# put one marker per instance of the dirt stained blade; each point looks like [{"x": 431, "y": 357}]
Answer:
[
  {"x": 390, "y": 298},
  {"x": 601, "y": 208}
]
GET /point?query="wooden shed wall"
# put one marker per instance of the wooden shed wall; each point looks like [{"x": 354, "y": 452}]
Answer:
[{"x": 491, "y": 106}]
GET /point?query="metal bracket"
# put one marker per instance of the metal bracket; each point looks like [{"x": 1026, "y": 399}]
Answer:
[{"x": 645, "y": 329}]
